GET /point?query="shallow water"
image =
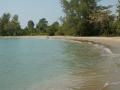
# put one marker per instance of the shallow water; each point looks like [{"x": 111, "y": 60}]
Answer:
[{"x": 42, "y": 64}]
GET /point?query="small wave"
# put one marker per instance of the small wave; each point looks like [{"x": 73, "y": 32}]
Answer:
[
  {"x": 105, "y": 49},
  {"x": 108, "y": 50},
  {"x": 106, "y": 84},
  {"x": 109, "y": 84}
]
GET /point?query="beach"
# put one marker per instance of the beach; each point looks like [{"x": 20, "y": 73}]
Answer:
[{"x": 111, "y": 42}]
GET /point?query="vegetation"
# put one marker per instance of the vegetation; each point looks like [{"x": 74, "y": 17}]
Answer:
[
  {"x": 87, "y": 18},
  {"x": 82, "y": 18},
  {"x": 9, "y": 27}
]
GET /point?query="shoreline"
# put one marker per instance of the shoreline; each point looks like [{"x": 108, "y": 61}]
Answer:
[
  {"x": 100, "y": 40},
  {"x": 113, "y": 43},
  {"x": 110, "y": 42}
]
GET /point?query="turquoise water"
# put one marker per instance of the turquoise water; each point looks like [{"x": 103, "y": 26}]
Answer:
[{"x": 42, "y": 64}]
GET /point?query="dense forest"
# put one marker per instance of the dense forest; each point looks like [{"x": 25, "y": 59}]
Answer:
[{"x": 82, "y": 18}]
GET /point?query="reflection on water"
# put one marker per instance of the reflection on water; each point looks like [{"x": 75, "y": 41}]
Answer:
[{"x": 57, "y": 65}]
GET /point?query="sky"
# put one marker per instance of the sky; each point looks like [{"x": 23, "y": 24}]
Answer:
[{"x": 37, "y": 9}]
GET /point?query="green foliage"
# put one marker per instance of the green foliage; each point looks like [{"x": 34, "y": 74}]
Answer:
[
  {"x": 86, "y": 18},
  {"x": 52, "y": 29},
  {"x": 78, "y": 15},
  {"x": 118, "y": 18},
  {"x": 42, "y": 25},
  {"x": 5, "y": 19},
  {"x": 30, "y": 27},
  {"x": 9, "y": 27}
]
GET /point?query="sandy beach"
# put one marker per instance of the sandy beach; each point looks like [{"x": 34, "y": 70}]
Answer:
[
  {"x": 111, "y": 42},
  {"x": 103, "y": 40}
]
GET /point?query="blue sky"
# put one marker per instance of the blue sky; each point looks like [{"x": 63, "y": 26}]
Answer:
[{"x": 36, "y": 9}]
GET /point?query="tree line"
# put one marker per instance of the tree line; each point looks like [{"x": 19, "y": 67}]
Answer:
[
  {"x": 10, "y": 26},
  {"x": 89, "y": 18},
  {"x": 82, "y": 18}
]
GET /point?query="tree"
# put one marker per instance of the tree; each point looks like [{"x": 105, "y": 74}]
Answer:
[
  {"x": 30, "y": 26},
  {"x": 81, "y": 15},
  {"x": 52, "y": 29},
  {"x": 118, "y": 18},
  {"x": 5, "y": 20},
  {"x": 78, "y": 15},
  {"x": 15, "y": 26},
  {"x": 102, "y": 20},
  {"x": 42, "y": 25},
  {"x": 12, "y": 28}
]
